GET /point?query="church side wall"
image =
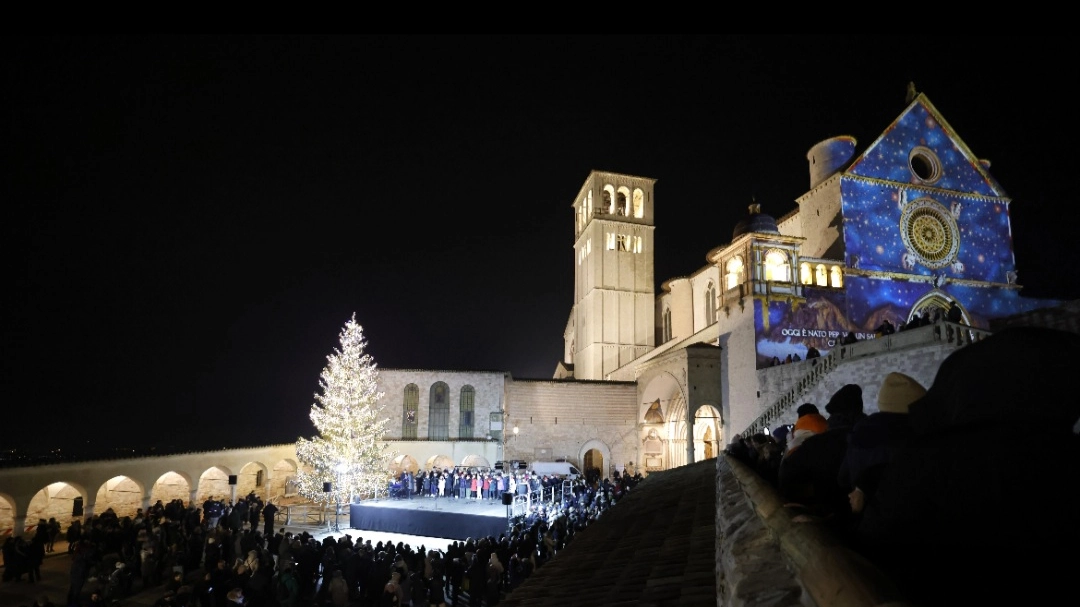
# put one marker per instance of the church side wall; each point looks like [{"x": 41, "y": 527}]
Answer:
[
  {"x": 557, "y": 419},
  {"x": 681, "y": 300},
  {"x": 739, "y": 363},
  {"x": 489, "y": 397},
  {"x": 819, "y": 216}
]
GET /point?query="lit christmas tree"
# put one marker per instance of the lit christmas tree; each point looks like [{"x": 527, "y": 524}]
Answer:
[{"x": 349, "y": 452}]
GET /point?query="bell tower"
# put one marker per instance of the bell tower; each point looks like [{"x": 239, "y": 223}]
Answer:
[{"x": 613, "y": 319}]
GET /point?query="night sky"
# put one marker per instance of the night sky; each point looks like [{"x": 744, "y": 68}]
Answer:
[{"x": 196, "y": 218}]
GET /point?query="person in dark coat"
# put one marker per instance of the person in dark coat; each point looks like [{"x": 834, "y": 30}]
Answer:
[
  {"x": 808, "y": 475},
  {"x": 979, "y": 507},
  {"x": 269, "y": 511},
  {"x": 875, "y": 438}
]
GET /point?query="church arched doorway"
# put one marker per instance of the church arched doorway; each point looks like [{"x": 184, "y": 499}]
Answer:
[{"x": 593, "y": 465}]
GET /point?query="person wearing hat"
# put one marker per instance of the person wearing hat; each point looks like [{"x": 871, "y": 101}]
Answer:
[
  {"x": 806, "y": 426},
  {"x": 807, "y": 479},
  {"x": 875, "y": 438}
]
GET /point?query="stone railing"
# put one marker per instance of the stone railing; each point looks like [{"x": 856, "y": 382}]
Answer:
[
  {"x": 942, "y": 332},
  {"x": 765, "y": 557}
]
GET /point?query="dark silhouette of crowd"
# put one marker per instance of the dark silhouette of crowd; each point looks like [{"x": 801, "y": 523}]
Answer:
[
  {"x": 962, "y": 492},
  {"x": 218, "y": 555}
]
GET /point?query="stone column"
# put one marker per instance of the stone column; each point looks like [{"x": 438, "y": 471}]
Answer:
[{"x": 689, "y": 436}]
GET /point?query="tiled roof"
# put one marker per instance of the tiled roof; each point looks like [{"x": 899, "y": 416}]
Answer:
[{"x": 657, "y": 546}]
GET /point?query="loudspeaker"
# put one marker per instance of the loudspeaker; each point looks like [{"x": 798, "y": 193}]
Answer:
[
  {"x": 326, "y": 487},
  {"x": 76, "y": 507},
  {"x": 508, "y": 498},
  {"x": 232, "y": 479}
]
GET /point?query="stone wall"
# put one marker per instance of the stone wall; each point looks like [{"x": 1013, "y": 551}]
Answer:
[
  {"x": 763, "y": 557},
  {"x": 917, "y": 353},
  {"x": 562, "y": 419}
]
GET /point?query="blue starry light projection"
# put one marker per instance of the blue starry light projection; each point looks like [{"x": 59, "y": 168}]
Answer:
[{"x": 923, "y": 221}]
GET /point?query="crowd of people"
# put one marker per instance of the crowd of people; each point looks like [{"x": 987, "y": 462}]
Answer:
[
  {"x": 936, "y": 486},
  {"x": 218, "y": 555}
]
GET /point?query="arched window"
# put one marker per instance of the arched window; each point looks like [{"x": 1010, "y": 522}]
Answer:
[
  {"x": 439, "y": 412},
  {"x": 667, "y": 325},
  {"x": 639, "y": 203},
  {"x": 609, "y": 199},
  {"x": 623, "y": 202},
  {"x": 468, "y": 407},
  {"x": 710, "y": 304},
  {"x": 777, "y": 268},
  {"x": 409, "y": 411},
  {"x": 806, "y": 275},
  {"x": 837, "y": 277},
  {"x": 734, "y": 275},
  {"x": 821, "y": 275}
]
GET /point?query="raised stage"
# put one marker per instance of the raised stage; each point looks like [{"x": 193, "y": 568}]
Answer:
[{"x": 455, "y": 519}]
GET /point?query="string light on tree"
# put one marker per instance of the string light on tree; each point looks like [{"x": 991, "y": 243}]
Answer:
[{"x": 349, "y": 451}]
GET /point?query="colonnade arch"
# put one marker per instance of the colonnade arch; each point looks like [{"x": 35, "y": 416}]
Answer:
[{"x": 54, "y": 490}]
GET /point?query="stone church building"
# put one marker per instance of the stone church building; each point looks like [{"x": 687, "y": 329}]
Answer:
[{"x": 648, "y": 381}]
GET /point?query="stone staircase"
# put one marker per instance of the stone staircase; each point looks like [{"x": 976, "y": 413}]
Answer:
[{"x": 942, "y": 337}]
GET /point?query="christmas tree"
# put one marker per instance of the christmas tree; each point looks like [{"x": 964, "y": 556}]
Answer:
[{"x": 349, "y": 452}]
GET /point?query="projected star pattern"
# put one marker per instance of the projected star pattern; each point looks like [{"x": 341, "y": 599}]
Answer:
[{"x": 873, "y": 241}]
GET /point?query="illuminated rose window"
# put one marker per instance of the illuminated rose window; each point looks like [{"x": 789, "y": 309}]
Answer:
[{"x": 930, "y": 233}]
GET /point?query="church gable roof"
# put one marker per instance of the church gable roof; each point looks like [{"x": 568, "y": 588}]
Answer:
[{"x": 922, "y": 149}]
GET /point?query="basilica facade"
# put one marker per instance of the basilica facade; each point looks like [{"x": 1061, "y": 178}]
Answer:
[{"x": 905, "y": 228}]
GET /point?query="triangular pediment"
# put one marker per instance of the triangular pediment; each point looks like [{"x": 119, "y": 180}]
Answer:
[{"x": 921, "y": 149}]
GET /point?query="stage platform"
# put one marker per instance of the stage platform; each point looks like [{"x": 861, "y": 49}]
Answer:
[{"x": 454, "y": 519}]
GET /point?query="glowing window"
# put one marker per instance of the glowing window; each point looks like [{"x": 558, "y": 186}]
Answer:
[
  {"x": 610, "y": 241},
  {"x": 837, "y": 277},
  {"x": 806, "y": 276},
  {"x": 776, "y": 266},
  {"x": 624, "y": 242},
  {"x": 734, "y": 275},
  {"x": 639, "y": 203},
  {"x": 412, "y": 403},
  {"x": 822, "y": 275}
]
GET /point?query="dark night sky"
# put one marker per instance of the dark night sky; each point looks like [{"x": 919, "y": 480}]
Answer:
[{"x": 196, "y": 218}]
